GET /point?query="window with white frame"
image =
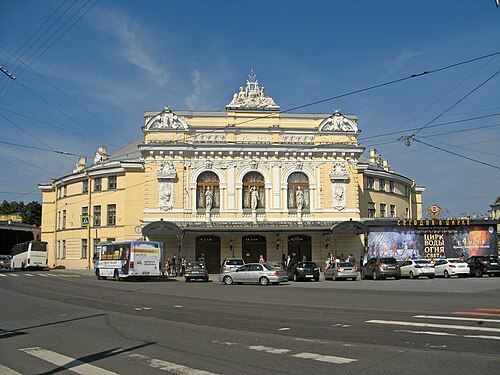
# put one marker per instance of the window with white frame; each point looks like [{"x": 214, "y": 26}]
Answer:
[
  {"x": 97, "y": 216},
  {"x": 111, "y": 214},
  {"x": 98, "y": 184},
  {"x": 112, "y": 182},
  {"x": 383, "y": 212},
  {"x": 382, "y": 184},
  {"x": 393, "y": 210},
  {"x": 84, "y": 249},
  {"x": 371, "y": 209}
]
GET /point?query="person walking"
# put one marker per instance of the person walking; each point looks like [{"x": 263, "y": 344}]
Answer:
[
  {"x": 173, "y": 266},
  {"x": 261, "y": 259}
]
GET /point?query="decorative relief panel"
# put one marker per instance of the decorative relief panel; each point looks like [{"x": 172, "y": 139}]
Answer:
[
  {"x": 252, "y": 97},
  {"x": 293, "y": 138},
  {"x": 337, "y": 123},
  {"x": 208, "y": 138},
  {"x": 339, "y": 198},
  {"x": 166, "y": 120},
  {"x": 166, "y": 174},
  {"x": 339, "y": 171}
]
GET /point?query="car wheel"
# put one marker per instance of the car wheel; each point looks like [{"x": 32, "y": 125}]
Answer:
[
  {"x": 446, "y": 274},
  {"x": 228, "y": 280},
  {"x": 186, "y": 280},
  {"x": 115, "y": 276},
  {"x": 375, "y": 276},
  {"x": 363, "y": 276},
  {"x": 264, "y": 281},
  {"x": 430, "y": 276},
  {"x": 412, "y": 276},
  {"x": 478, "y": 272}
]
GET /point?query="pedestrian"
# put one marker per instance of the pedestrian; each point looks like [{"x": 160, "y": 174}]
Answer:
[
  {"x": 304, "y": 258},
  {"x": 328, "y": 261},
  {"x": 173, "y": 266},
  {"x": 261, "y": 259},
  {"x": 167, "y": 267},
  {"x": 288, "y": 261}
]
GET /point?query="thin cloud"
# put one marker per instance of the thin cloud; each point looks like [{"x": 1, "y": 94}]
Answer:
[{"x": 132, "y": 43}]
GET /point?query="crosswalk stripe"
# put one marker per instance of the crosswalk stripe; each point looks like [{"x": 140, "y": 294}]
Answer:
[
  {"x": 67, "y": 362},
  {"x": 43, "y": 275},
  {"x": 267, "y": 349},
  {"x": 7, "y": 371},
  {"x": 457, "y": 318},
  {"x": 170, "y": 366},
  {"x": 2, "y": 275},
  {"x": 429, "y": 325},
  {"x": 13, "y": 274},
  {"x": 29, "y": 274},
  {"x": 433, "y": 333},
  {"x": 324, "y": 358}
]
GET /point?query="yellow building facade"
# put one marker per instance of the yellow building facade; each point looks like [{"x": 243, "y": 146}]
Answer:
[{"x": 243, "y": 182}]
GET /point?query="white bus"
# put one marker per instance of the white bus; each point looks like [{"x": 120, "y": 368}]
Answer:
[
  {"x": 31, "y": 254},
  {"x": 120, "y": 260}
]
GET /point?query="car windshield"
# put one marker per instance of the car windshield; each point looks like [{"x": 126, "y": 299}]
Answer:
[
  {"x": 235, "y": 262},
  {"x": 388, "y": 260},
  {"x": 455, "y": 261},
  {"x": 345, "y": 264},
  {"x": 306, "y": 265},
  {"x": 270, "y": 267},
  {"x": 427, "y": 262}
]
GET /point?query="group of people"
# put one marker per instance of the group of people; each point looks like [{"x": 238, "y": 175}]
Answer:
[
  {"x": 174, "y": 267},
  {"x": 331, "y": 259}
]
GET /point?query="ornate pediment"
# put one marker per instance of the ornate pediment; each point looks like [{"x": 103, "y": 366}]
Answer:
[
  {"x": 252, "y": 97},
  {"x": 167, "y": 120},
  {"x": 337, "y": 122}
]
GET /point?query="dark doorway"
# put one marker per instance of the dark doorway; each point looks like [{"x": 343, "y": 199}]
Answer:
[
  {"x": 252, "y": 247},
  {"x": 208, "y": 247},
  {"x": 298, "y": 246}
]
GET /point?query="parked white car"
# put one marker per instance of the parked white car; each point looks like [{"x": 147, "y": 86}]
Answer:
[
  {"x": 415, "y": 268},
  {"x": 451, "y": 267}
]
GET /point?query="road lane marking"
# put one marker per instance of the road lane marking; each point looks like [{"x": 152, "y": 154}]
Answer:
[
  {"x": 488, "y": 309},
  {"x": 267, "y": 349},
  {"x": 473, "y": 313},
  {"x": 29, "y": 274},
  {"x": 429, "y": 325},
  {"x": 448, "y": 334},
  {"x": 324, "y": 358},
  {"x": 13, "y": 274},
  {"x": 43, "y": 275},
  {"x": 170, "y": 366},
  {"x": 7, "y": 371},
  {"x": 3, "y": 275},
  {"x": 457, "y": 318},
  {"x": 67, "y": 362},
  {"x": 284, "y": 329}
]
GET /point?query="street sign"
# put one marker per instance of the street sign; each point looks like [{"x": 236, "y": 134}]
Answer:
[{"x": 84, "y": 221}]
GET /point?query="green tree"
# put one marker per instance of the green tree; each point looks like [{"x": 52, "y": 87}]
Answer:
[{"x": 31, "y": 213}]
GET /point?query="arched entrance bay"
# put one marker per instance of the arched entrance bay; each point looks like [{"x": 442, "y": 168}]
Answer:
[
  {"x": 208, "y": 247},
  {"x": 252, "y": 247}
]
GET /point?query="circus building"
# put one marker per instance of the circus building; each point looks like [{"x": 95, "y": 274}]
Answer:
[{"x": 242, "y": 182}]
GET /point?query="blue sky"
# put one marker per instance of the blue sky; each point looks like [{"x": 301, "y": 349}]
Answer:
[{"x": 123, "y": 58}]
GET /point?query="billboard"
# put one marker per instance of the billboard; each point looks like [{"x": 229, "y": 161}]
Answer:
[{"x": 432, "y": 242}]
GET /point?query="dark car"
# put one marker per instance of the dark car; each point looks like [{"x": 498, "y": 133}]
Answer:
[
  {"x": 5, "y": 261},
  {"x": 195, "y": 271},
  {"x": 380, "y": 268},
  {"x": 480, "y": 265},
  {"x": 303, "y": 271}
]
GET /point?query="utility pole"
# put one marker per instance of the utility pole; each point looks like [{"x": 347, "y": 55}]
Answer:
[{"x": 4, "y": 71}]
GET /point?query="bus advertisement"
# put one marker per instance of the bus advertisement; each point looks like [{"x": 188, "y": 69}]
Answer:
[
  {"x": 31, "y": 254},
  {"x": 120, "y": 260}
]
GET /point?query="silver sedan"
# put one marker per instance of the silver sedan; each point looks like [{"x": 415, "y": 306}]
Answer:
[
  {"x": 256, "y": 273},
  {"x": 341, "y": 270}
]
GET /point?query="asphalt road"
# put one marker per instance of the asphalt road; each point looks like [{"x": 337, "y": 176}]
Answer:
[{"x": 67, "y": 321}]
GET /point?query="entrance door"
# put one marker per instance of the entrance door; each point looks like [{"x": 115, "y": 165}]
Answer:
[
  {"x": 208, "y": 247},
  {"x": 298, "y": 246},
  {"x": 252, "y": 247}
]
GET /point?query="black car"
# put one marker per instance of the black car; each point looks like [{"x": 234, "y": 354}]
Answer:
[
  {"x": 303, "y": 271},
  {"x": 380, "y": 268},
  {"x": 480, "y": 265},
  {"x": 195, "y": 271}
]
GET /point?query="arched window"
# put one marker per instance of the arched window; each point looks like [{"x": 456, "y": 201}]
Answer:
[
  {"x": 207, "y": 181},
  {"x": 298, "y": 181},
  {"x": 253, "y": 181}
]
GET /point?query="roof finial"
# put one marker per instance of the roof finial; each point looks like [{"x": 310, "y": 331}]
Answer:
[{"x": 251, "y": 76}]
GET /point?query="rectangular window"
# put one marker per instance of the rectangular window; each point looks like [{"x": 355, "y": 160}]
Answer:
[
  {"x": 371, "y": 209},
  {"x": 111, "y": 214},
  {"x": 97, "y": 216},
  {"x": 370, "y": 182},
  {"x": 64, "y": 219},
  {"x": 407, "y": 191},
  {"x": 85, "y": 186},
  {"x": 111, "y": 182},
  {"x": 85, "y": 211},
  {"x": 98, "y": 184},
  {"x": 58, "y": 220},
  {"x": 63, "y": 251},
  {"x": 382, "y": 210},
  {"x": 84, "y": 249},
  {"x": 392, "y": 186},
  {"x": 393, "y": 210},
  {"x": 382, "y": 184},
  {"x": 58, "y": 255},
  {"x": 65, "y": 190}
]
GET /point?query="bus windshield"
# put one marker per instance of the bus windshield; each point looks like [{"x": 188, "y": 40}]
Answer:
[
  {"x": 115, "y": 252},
  {"x": 39, "y": 246}
]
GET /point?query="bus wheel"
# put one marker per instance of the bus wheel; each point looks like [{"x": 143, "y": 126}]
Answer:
[{"x": 115, "y": 276}]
